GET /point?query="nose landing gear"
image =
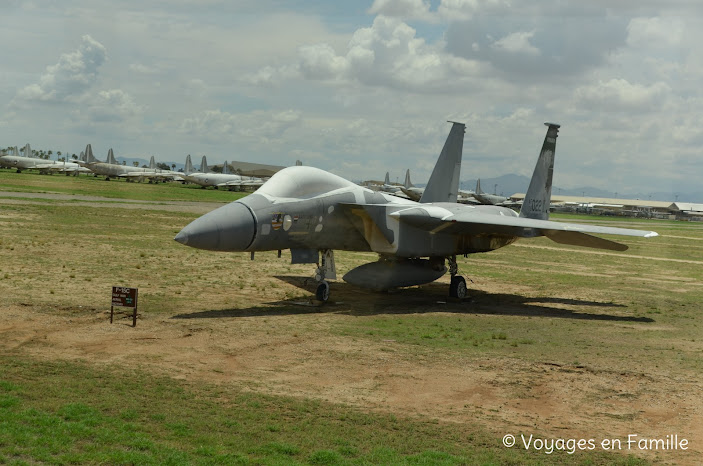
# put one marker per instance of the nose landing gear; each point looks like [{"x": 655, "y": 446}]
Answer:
[
  {"x": 457, "y": 286},
  {"x": 325, "y": 270}
]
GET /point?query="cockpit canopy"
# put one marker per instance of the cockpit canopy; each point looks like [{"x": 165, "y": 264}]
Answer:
[{"x": 302, "y": 182}]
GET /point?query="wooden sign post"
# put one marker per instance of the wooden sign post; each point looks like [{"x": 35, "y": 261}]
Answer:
[{"x": 124, "y": 297}]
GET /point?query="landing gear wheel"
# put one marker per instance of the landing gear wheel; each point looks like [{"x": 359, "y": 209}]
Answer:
[
  {"x": 457, "y": 288},
  {"x": 323, "y": 291}
]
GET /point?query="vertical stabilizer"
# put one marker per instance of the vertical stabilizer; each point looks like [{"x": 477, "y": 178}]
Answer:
[
  {"x": 478, "y": 187},
  {"x": 188, "y": 168},
  {"x": 539, "y": 194},
  {"x": 407, "y": 183},
  {"x": 89, "y": 157},
  {"x": 387, "y": 181},
  {"x": 152, "y": 163},
  {"x": 444, "y": 181},
  {"x": 27, "y": 151},
  {"x": 203, "y": 166},
  {"x": 225, "y": 168},
  {"x": 111, "y": 157},
  {"x": 16, "y": 152}
]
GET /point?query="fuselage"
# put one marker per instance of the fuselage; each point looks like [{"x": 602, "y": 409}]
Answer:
[
  {"x": 308, "y": 208},
  {"x": 113, "y": 170},
  {"x": 24, "y": 163},
  {"x": 217, "y": 179}
]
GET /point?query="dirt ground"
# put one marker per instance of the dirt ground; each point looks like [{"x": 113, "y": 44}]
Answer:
[
  {"x": 506, "y": 395},
  {"x": 292, "y": 353}
]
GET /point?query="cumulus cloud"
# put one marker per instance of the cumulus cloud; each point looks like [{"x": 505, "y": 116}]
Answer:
[
  {"x": 406, "y": 9},
  {"x": 143, "y": 69},
  {"x": 655, "y": 33},
  {"x": 517, "y": 42},
  {"x": 321, "y": 62},
  {"x": 258, "y": 126},
  {"x": 463, "y": 10},
  {"x": 386, "y": 54},
  {"x": 621, "y": 95},
  {"x": 109, "y": 106},
  {"x": 71, "y": 77},
  {"x": 522, "y": 46}
]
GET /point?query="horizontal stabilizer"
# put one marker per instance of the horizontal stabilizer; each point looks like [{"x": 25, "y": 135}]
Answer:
[{"x": 576, "y": 238}]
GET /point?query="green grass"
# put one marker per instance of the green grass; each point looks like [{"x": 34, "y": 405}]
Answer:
[
  {"x": 574, "y": 306},
  {"x": 68, "y": 413},
  {"x": 614, "y": 313},
  {"x": 31, "y": 182}
]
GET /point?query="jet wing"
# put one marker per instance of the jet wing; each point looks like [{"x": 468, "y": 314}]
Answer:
[{"x": 435, "y": 219}]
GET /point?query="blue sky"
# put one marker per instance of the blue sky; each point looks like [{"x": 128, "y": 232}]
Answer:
[{"x": 364, "y": 88}]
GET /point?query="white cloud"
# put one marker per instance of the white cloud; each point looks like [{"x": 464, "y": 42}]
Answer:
[
  {"x": 463, "y": 10},
  {"x": 621, "y": 95},
  {"x": 518, "y": 43},
  {"x": 406, "y": 9},
  {"x": 387, "y": 54},
  {"x": 321, "y": 62},
  {"x": 109, "y": 106},
  {"x": 258, "y": 126},
  {"x": 655, "y": 33},
  {"x": 73, "y": 75},
  {"x": 144, "y": 69}
]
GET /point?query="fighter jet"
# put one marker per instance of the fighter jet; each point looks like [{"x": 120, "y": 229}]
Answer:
[{"x": 313, "y": 212}]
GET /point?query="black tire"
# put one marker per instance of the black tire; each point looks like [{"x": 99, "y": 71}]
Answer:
[
  {"x": 323, "y": 291},
  {"x": 457, "y": 288}
]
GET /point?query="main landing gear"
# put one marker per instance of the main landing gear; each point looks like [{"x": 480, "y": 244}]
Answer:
[
  {"x": 457, "y": 286},
  {"x": 325, "y": 270}
]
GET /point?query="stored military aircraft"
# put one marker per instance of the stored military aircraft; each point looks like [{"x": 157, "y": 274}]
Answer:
[
  {"x": 112, "y": 169},
  {"x": 415, "y": 193},
  {"x": 15, "y": 160},
  {"x": 487, "y": 199},
  {"x": 225, "y": 179},
  {"x": 311, "y": 211}
]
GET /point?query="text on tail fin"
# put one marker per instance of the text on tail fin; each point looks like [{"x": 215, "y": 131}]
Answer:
[{"x": 539, "y": 194}]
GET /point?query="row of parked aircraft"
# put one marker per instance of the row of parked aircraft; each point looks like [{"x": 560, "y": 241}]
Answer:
[
  {"x": 313, "y": 212},
  {"x": 408, "y": 191},
  {"x": 110, "y": 168}
]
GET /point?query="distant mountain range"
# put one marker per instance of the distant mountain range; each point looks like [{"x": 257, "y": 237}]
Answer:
[{"x": 508, "y": 185}]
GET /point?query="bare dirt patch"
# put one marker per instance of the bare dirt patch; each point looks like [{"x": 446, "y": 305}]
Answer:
[{"x": 294, "y": 354}]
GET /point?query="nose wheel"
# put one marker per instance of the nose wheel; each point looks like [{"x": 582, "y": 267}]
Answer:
[
  {"x": 457, "y": 286},
  {"x": 323, "y": 291},
  {"x": 325, "y": 270}
]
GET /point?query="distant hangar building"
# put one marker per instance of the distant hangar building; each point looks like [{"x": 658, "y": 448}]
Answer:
[
  {"x": 623, "y": 207},
  {"x": 687, "y": 211}
]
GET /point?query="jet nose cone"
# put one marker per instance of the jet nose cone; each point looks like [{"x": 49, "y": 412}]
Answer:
[{"x": 228, "y": 228}]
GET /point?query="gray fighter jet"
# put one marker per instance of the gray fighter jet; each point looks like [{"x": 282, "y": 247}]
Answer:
[{"x": 313, "y": 212}]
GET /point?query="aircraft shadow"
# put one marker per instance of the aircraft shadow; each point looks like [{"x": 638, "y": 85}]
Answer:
[{"x": 350, "y": 300}]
